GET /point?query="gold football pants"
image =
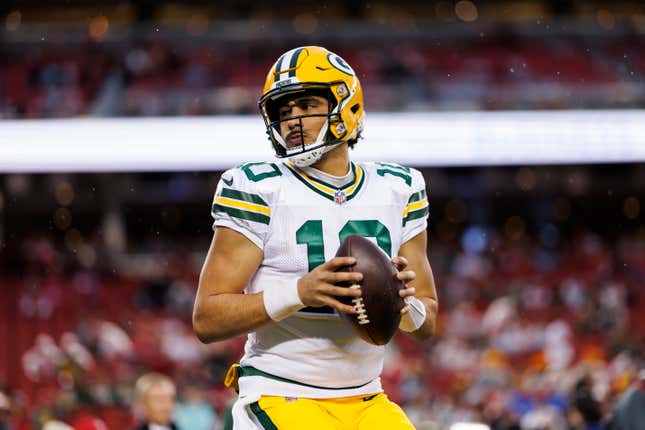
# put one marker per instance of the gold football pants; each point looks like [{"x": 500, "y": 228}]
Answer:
[{"x": 348, "y": 413}]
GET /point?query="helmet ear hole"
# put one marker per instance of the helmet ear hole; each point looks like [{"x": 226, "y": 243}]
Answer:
[{"x": 355, "y": 108}]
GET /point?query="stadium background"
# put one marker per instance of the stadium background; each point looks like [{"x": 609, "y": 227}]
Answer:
[{"x": 540, "y": 266}]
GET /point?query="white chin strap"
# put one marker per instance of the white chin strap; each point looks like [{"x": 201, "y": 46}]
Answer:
[{"x": 309, "y": 157}]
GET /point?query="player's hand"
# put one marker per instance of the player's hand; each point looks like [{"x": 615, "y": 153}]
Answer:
[
  {"x": 318, "y": 287},
  {"x": 405, "y": 276}
]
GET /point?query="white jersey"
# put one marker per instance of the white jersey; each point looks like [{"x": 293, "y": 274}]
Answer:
[{"x": 299, "y": 222}]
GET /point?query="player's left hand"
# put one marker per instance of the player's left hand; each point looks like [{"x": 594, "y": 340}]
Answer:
[{"x": 405, "y": 276}]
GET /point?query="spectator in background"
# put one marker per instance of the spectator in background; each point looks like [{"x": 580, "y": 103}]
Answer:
[
  {"x": 5, "y": 412},
  {"x": 194, "y": 412},
  {"x": 629, "y": 413},
  {"x": 155, "y": 397},
  {"x": 586, "y": 413}
]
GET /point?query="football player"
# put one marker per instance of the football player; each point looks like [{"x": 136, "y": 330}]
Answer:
[{"x": 271, "y": 271}]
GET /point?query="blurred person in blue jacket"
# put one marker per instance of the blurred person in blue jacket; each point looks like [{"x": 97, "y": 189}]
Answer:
[
  {"x": 5, "y": 412},
  {"x": 194, "y": 412},
  {"x": 629, "y": 412}
]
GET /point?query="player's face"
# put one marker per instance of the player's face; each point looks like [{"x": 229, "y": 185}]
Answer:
[
  {"x": 159, "y": 403},
  {"x": 296, "y": 130}
]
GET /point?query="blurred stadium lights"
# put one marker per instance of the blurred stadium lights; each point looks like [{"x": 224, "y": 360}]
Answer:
[
  {"x": 631, "y": 207},
  {"x": 13, "y": 20},
  {"x": 474, "y": 239},
  {"x": 196, "y": 28},
  {"x": 423, "y": 139},
  {"x": 466, "y": 11},
  {"x": 98, "y": 27}
]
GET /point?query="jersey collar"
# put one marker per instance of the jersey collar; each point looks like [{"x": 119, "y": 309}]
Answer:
[{"x": 329, "y": 191}]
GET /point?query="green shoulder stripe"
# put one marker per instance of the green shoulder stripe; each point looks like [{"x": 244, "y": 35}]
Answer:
[
  {"x": 417, "y": 196},
  {"x": 239, "y": 195},
  {"x": 421, "y": 213},
  {"x": 239, "y": 213}
]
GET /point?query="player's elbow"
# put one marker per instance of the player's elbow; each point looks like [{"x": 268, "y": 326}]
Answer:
[
  {"x": 199, "y": 329},
  {"x": 202, "y": 327}
]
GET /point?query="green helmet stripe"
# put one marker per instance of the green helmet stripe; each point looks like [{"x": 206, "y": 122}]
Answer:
[
  {"x": 294, "y": 62},
  {"x": 278, "y": 67}
]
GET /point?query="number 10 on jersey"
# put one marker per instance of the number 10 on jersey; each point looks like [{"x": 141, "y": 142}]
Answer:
[{"x": 311, "y": 234}]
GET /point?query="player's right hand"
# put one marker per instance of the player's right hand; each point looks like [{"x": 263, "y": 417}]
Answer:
[{"x": 318, "y": 287}]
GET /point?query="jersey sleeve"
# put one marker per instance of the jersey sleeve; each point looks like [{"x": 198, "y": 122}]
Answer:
[
  {"x": 238, "y": 205},
  {"x": 415, "y": 214}
]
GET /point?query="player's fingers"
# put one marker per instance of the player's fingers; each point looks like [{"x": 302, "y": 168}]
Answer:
[
  {"x": 338, "y": 262},
  {"x": 405, "y": 309},
  {"x": 407, "y": 292},
  {"x": 340, "y": 307},
  {"x": 406, "y": 276},
  {"x": 400, "y": 262},
  {"x": 335, "y": 291},
  {"x": 337, "y": 277}
]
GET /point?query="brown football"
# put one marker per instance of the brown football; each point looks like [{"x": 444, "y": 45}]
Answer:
[{"x": 380, "y": 304}]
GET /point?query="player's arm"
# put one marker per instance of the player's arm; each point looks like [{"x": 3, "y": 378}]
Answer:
[
  {"x": 417, "y": 273},
  {"x": 222, "y": 310}
]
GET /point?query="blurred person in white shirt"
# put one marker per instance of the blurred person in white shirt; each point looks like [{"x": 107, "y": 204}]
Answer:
[{"x": 155, "y": 397}]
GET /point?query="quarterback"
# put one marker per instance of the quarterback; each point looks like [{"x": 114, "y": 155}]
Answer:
[{"x": 271, "y": 273}]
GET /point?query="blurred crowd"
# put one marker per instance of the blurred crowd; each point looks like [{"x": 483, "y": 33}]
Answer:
[
  {"x": 531, "y": 337},
  {"x": 192, "y": 60},
  {"x": 157, "y": 78},
  {"x": 538, "y": 330}
]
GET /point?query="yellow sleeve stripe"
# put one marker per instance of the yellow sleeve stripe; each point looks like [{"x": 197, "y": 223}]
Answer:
[
  {"x": 415, "y": 206},
  {"x": 237, "y": 204}
]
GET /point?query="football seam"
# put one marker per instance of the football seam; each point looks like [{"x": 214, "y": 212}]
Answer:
[{"x": 359, "y": 305}]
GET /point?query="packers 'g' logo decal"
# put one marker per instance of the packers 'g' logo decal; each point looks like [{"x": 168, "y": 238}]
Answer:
[{"x": 340, "y": 64}]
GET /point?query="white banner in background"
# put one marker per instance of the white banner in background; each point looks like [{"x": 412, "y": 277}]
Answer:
[{"x": 414, "y": 139}]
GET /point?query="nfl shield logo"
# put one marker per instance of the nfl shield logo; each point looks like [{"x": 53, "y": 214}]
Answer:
[{"x": 340, "y": 197}]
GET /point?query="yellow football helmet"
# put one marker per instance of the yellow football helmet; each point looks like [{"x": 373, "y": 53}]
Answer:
[{"x": 314, "y": 69}]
